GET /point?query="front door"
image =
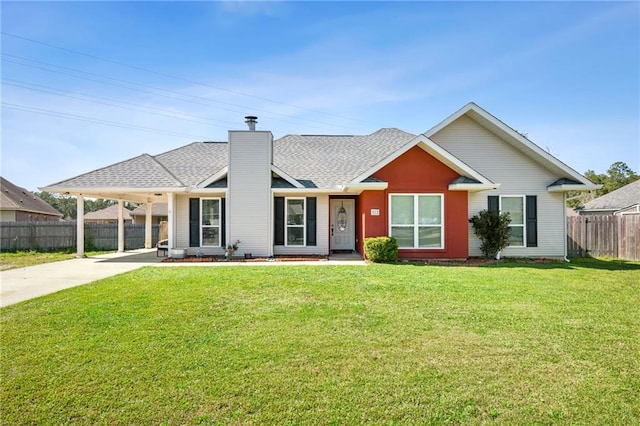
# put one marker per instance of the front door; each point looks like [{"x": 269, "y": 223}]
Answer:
[{"x": 342, "y": 224}]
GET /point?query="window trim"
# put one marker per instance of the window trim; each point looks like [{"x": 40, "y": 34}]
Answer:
[
  {"x": 219, "y": 226},
  {"x": 523, "y": 225},
  {"x": 286, "y": 222},
  {"x": 416, "y": 226}
]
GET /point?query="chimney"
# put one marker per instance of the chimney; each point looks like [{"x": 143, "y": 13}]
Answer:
[{"x": 251, "y": 121}]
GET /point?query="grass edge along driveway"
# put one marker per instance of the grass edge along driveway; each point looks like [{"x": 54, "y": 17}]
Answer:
[{"x": 387, "y": 344}]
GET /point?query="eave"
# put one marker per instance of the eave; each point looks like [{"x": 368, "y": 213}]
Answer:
[
  {"x": 473, "y": 187},
  {"x": 357, "y": 188},
  {"x": 214, "y": 178},
  {"x": 573, "y": 187}
]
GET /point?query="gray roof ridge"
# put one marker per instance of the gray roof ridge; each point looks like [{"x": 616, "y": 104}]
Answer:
[
  {"x": 382, "y": 129},
  {"x": 98, "y": 169},
  {"x": 167, "y": 170},
  {"x": 392, "y": 128}
]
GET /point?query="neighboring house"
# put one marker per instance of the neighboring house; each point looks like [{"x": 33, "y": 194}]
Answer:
[
  {"x": 158, "y": 214},
  {"x": 625, "y": 200},
  {"x": 316, "y": 194},
  {"x": 108, "y": 215},
  {"x": 19, "y": 205}
]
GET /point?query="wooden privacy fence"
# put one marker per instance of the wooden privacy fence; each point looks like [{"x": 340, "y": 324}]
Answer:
[
  {"x": 600, "y": 236},
  {"x": 62, "y": 235}
]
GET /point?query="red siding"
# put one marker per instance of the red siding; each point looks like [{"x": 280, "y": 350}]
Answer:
[{"x": 416, "y": 171}]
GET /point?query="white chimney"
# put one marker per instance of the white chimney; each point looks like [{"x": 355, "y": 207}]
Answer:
[{"x": 249, "y": 200}]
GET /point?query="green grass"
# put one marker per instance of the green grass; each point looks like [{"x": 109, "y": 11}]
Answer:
[
  {"x": 21, "y": 259},
  {"x": 383, "y": 344}
]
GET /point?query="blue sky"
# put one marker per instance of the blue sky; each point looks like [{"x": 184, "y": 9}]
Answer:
[{"x": 88, "y": 84}]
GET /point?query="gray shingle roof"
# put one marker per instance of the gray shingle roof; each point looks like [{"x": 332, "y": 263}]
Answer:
[
  {"x": 185, "y": 166},
  {"x": 108, "y": 213},
  {"x": 138, "y": 172},
  {"x": 326, "y": 161},
  {"x": 158, "y": 209},
  {"x": 626, "y": 196},
  {"x": 315, "y": 161},
  {"x": 196, "y": 162},
  {"x": 13, "y": 197}
]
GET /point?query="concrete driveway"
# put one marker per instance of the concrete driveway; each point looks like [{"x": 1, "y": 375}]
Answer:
[
  {"x": 17, "y": 285},
  {"x": 21, "y": 284}
]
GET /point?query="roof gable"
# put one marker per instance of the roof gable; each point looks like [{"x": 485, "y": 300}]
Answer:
[
  {"x": 515, "y": 139},
  {"x": 108, "y": 213},
  {"x": 435, "y": 151}
]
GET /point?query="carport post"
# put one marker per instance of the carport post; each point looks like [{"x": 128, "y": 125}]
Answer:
[
  {"x": 171, "y": 224},
  {"x": 147, "y": 226},
  {"x": 120, "y": 226},
  {"x": 80, "y": 226}
]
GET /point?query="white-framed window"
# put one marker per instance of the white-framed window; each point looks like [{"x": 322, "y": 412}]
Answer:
[
  {"x": 210, "y": 222},
  {"x": 515, "y": 206},
  {"x": 417, "y": 220},
  {"x": 295, "y": 227}
]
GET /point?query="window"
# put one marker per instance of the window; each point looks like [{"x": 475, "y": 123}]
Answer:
[
  {"x": 210, "y": 222},
  {"x": 295, "y": 224},
  {"x": 416, "y": 220},
  {"x": 514, "y": 205}
]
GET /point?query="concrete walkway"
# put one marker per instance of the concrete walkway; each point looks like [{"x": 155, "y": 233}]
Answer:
[{"x": 17, "y": 285}]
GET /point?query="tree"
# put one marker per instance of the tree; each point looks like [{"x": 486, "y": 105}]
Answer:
[
  {"x": 65, "y": 204},
  {"x": 68, "y": 204},
  {"x": 618, "y": 175},
  {"x": 492, "y": 228}
]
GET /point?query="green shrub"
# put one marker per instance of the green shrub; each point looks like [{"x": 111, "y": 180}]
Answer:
[
  {"x": 381, "y": 249},
  {"x": 492, "y": 228}
]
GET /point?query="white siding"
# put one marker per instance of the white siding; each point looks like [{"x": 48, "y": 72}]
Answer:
[
  {"x": 249, "y": 199},
  {"x": 518, "y": 175},
  {"x": 322, "y": 229},
  {"x": 182, "y": 221},
  {"x": 182, "y": 224}
]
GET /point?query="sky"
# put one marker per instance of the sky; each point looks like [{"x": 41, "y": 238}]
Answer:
[{"x": 89, "y": 84}]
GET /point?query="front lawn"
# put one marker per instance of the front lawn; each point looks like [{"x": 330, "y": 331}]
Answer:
[
  {"x": 21, "y": 259},
  {"x": 383, "y": 344}
]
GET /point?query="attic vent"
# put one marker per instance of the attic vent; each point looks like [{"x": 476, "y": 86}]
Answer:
[{"x": 251, "y": 121}]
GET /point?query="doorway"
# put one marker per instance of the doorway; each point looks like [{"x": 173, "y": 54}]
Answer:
[{"x": 342, "y": 224}]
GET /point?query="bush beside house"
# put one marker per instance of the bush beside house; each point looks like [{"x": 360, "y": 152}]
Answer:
[{"x": 381, "y": 249}]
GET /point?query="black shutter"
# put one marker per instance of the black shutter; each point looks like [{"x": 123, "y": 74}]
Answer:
[
  {"x": 194, "y": 222},
  {"x": 278, "y": 229},
  {"x": 311, "y": 221},
  {"x": 494, "y": 203},
  {"x": 532, "y": 221},
  {"x": 223, "y": 225}
]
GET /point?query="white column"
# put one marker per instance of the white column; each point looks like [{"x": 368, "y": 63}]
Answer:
[
  {"x": 171, "y": 221},
  {"x": 148, "y": 236},
  {"x": 120, "y": 226},
  {"x": 80, "y": 226}
]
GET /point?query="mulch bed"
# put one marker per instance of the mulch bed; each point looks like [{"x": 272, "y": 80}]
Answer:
[
  {"x": 477, "y": 261},
  {"x": 472, "y": 261},
  {"x": 205, "y": 259}
]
